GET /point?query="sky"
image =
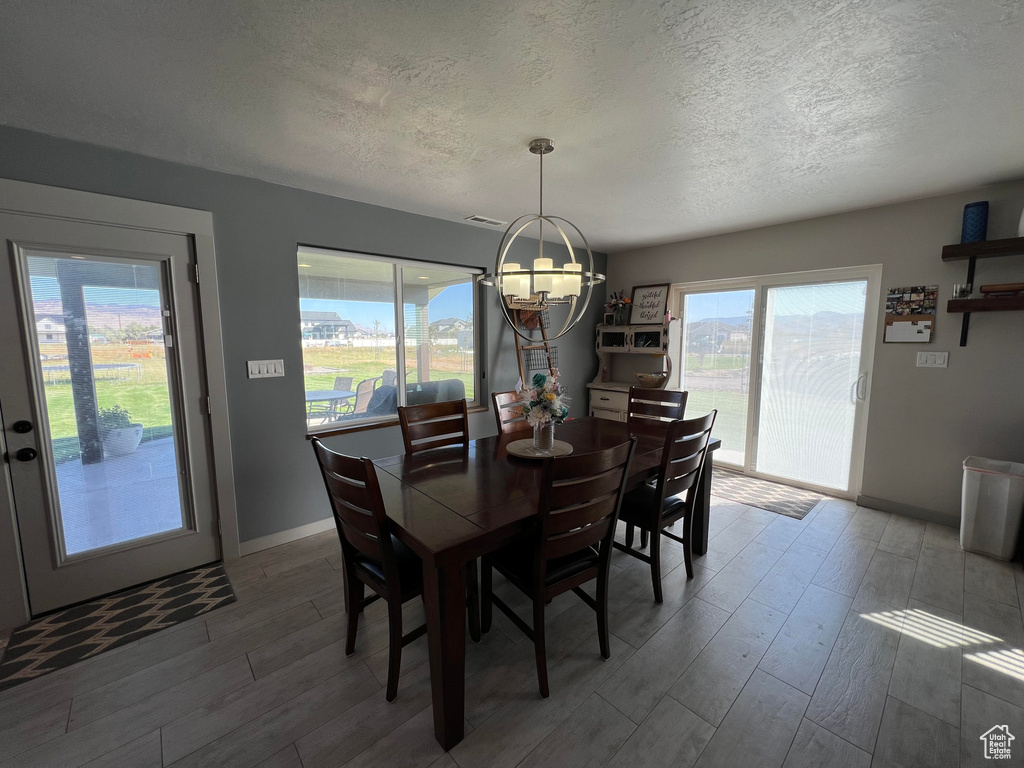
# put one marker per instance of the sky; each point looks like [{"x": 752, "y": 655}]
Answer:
[{"x": 454, "y": 301}]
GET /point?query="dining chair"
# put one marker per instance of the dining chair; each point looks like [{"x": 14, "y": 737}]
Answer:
[
  {"x": 655, "y": 407},
  {"x": 571, "y": 544},
  {"x": 508, "y": 412},
  {"x": 439, "y": 425},
  {"x": 653, "y": 509},
  {"x": 371, "y": 555},
  {"x": 364, "y": 391},
  {"x": 652, "y": 407},
  {"x": 434, "y": 425}
]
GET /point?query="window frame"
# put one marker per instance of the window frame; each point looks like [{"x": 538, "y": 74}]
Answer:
[{"x": 398, "y": 264}]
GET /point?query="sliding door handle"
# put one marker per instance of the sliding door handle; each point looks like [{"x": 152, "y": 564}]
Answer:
[{"x": 861, "y": 388}]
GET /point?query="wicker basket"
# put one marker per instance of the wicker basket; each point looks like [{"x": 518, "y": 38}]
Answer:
[{"x": 652, "y": 380}]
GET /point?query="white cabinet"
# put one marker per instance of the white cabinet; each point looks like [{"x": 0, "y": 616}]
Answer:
[
  {"x": 626, "y": 350},
  {"x": 609, "y": 401}
]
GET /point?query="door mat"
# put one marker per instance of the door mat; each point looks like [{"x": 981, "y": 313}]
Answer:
[
  {"x": 754, "y": 492},
  {"x": 86, "y": 630}
]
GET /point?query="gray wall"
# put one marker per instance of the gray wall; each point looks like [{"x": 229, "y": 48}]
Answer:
[
  {"x": 922, "y": 422},
  {"x": 257, "y": 226}
]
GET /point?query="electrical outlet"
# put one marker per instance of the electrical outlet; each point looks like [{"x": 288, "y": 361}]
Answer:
[
  {"x": 264, "y": 369},
  {"x": 932, "y": 359}
]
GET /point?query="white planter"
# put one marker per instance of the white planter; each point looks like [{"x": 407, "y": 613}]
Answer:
[{"x": 121, "y": 442}]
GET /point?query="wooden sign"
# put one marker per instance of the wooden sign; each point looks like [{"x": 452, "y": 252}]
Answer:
[{"x": 648, "y": 305}]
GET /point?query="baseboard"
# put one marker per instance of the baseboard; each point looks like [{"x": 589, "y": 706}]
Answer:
[
  {"x": 909, "y": 510},
  {"x": 283, "y": 537}
]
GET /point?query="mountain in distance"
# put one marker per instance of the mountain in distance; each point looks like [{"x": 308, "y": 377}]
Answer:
[{"x": 113, "y": 316}]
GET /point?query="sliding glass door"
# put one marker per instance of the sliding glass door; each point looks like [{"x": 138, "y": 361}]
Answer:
[
  {"x": 716, "y": 364},
  {"x": 785, "y": 359},
  {"x": 811, "y": 371}
]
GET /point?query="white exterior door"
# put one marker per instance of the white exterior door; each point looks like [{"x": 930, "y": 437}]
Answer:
[{"x": 104, "y": 407}]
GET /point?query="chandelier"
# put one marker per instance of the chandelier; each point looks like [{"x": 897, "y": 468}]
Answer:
[{"x": 545, "y": 285}]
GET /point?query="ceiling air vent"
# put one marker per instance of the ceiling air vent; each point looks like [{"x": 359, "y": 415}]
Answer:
[{"x": 485, "y": 220}]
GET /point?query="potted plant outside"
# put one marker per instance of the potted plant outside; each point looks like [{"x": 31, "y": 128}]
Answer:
[{"x": 119, "y": 435}]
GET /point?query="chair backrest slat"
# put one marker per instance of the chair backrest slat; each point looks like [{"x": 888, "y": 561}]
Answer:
[
  {"x": 342, "y": 383},
  {"x": 434, "y": 425},
  {"x": 508, "y": 412},
  {"x": 579, "y": 502},
  {"x": 358, "y": 507},
  {"x": 655, "y": 406},
  {"x": 683, "y": 456}
]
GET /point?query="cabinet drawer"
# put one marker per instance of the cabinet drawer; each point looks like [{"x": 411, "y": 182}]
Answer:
[
  {"x": 609, "y": 400},
  {"x": 600, "y": 413}
]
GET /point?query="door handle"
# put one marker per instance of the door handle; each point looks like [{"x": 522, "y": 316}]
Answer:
[
  {"x": 26, "y": 454},
  {"x": 862, "y": 386}
]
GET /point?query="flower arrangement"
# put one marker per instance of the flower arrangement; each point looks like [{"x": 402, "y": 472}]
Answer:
[
  {"x": 545, "y": 402},
  {"x": 619, "y": 305}
]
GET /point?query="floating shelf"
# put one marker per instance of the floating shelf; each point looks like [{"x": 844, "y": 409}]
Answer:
[
  {"x": 1011, "y": 246},
  {"x": 971, "y": 252},
  {"x": 987, "y": 304}
]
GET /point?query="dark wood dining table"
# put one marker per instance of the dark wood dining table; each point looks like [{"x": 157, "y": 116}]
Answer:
[{"x": 452, "y": 505}]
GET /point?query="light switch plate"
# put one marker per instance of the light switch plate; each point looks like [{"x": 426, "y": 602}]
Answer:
[
  {"x": 932, "y": 359},
  {"x": 264, "y": 369}
]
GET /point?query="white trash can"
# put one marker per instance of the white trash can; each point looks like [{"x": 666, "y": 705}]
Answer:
[{"x": 992, "y": 503}]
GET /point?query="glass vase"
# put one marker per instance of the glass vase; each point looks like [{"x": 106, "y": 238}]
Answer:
[{"x": 544, "y": 436}]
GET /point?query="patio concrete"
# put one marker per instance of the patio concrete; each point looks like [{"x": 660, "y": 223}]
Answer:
[{"x": 120, "y": 498}]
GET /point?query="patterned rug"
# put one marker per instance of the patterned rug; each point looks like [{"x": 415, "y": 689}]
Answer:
[
  {"x": 83, "y": 631},
  {"x": 754, "y": 492}
]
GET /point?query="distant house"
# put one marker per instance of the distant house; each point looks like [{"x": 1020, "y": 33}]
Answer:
[
  {"x": 50, "y": 329},
  {"x": 715, "y": 333},
  {"x": 327, "y": 325},
  {"x": 450, "y": 326}
]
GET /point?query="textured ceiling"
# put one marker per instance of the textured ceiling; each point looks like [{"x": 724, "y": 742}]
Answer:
[{"x": 671, "y": 119}]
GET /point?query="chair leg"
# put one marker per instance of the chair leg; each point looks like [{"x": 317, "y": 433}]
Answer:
[
  {"x": 687, "y": 556},
  {"x": 485, "y": 596},
  {"x": 656, "y": 564},
  {"x": 643, "y": 539},
  {"x": 394, "y": 648},
  {"x": 539, "y": 646},
  {"x": 629, "y": 535},
  {"x": 473, "y": 597},
  {"x": 602, "y": 614},
  {"x": 353, "y": 596}
]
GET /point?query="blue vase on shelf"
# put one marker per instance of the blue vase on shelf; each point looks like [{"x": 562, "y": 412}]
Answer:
[{"x": 975, "y": 226}]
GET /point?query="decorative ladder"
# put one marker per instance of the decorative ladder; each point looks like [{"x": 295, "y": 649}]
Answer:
[{"x": 539, "y": 356}]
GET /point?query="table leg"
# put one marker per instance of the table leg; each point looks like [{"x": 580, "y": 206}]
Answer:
[
  {"x": 444, "y": 599},
  {"x": 702, "y": 512}
]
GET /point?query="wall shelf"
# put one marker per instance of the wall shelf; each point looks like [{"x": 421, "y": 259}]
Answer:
[
  {"x": 986, "y": 304},
  {"x": 971, "y": 252},
  {"x": 1011, "y": 246}
]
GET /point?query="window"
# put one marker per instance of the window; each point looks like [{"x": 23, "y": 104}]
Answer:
[{"x": 378, "y": 333}]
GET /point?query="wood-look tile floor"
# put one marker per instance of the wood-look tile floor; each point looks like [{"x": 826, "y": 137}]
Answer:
[{"x": 848, "y": 638}]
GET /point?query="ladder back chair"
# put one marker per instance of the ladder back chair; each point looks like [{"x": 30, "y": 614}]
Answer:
[
  {"x": 652, "y": 509},
  {"x": 371, "y": 555},
  {"x": 571, "y": 544},
  {"x": 434, "y": 425},
  {"x": 439, "y": 425},
  {"x": 655, "y": 406},
  {"x": 650, "y": 406},
  {"x": 508, "y": 412}
]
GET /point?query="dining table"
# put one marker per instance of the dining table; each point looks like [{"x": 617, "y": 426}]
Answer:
[{"x": 451, "y": 505}]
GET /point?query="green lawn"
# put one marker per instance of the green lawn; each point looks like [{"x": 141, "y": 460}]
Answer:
[
  {"x": 731, "y": 422},
  {"x": 362, "y": 363}
]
